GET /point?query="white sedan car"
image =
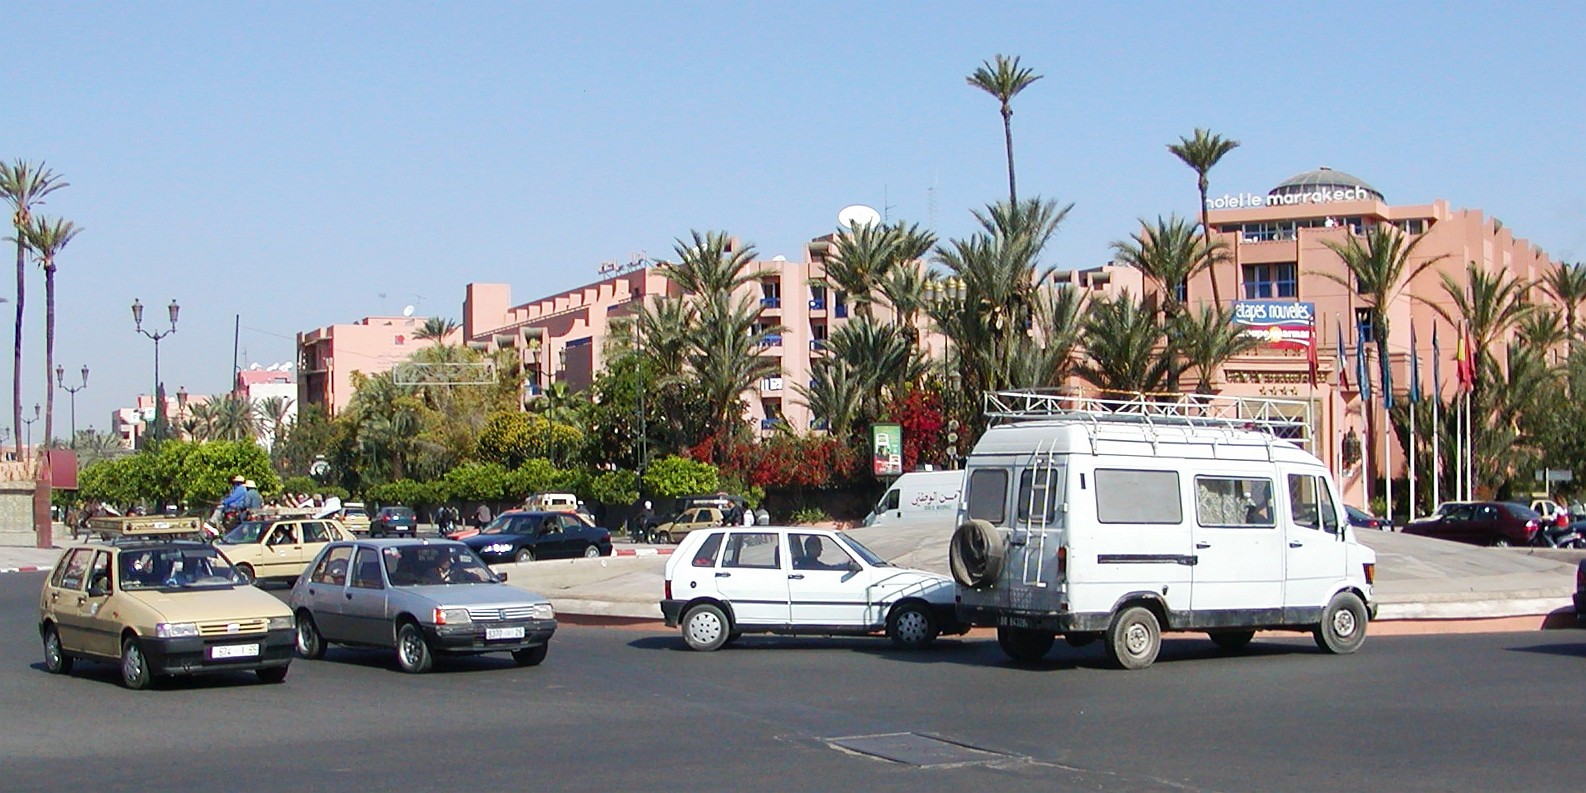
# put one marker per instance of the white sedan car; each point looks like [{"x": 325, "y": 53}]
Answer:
[{"x": 725, "y": 582}]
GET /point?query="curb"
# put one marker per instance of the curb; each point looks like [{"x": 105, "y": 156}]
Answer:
[
  {"x": 642, "y": 551},
  {"x": 28, "y": 569}
]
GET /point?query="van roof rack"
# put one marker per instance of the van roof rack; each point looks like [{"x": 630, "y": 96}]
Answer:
[
  {"x": 1289, "y": 419},
  {"x": 145, "y": 526}
]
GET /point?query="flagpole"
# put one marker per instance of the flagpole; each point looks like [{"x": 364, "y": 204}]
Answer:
[
  {"x": 1387, "y": 461},
  {"x": 1437, "y": 460},
  {"x": 1411, "y": 453}
]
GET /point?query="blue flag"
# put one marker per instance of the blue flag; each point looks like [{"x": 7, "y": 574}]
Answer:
[
  {"x": 1387, "y": 376},
  {"x": 1437, "y": 366},
  {"x": 1362, "y": 371},
  {"x": 1415, "y": 368}
]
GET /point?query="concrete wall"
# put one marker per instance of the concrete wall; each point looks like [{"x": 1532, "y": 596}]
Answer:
[{"x": 16, "y": 514}]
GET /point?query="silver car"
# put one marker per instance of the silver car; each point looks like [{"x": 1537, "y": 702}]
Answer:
[{"x": 423, "y": 597}]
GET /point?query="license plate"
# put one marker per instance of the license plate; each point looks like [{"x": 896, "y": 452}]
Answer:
[
  {"x": 234, "y": 651},
  {"x": 504, "y": 633}
]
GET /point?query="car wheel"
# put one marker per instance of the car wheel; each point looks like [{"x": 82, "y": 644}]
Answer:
[
  {"x": 665, "y": 537},
  {"x": 531, "y": 656},
  {"x": 246, "y": 571},
  {"x": 135, "y": 672},
  {"x": 1025, "y": 645},
  {"x": 1134, "y": 638},
  {"x": 1501, "y": 542},
  {"x": 56, "y": 661},
  {"x": 1232, "y": 641},
  {"x": 1343, "y": 627},
  {"x": 1080, "y": 639},
  {"x": 912, "y": 626},
  {"x": 523, "y": 555},
  {"x": 591, "y": 552},
  {"x": 413, "y": 654},
  {"x": 272, "y": 674},
  {"x": 705, "y": 628},
  {"x": 310, "y": 644}
]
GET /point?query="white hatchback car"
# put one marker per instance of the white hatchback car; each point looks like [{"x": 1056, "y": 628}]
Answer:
[{"x": 722, "y": 583}]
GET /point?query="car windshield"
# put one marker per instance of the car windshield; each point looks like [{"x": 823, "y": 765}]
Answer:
[
  {"x": 426, "y": 565},
  {"x": 498, "y": 526},
  {"x": 175, "y": 568},
  {"x": 246, "y": 532},
  {"x": 1356, "y": 513},
  {"x": 864, "y": 553}
]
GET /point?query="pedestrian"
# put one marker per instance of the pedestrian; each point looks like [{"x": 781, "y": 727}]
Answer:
[{"x": 482, "y": 516}]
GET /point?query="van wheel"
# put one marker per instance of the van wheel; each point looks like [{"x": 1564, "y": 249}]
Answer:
[
  {"x": 705, "y": 628},
  {"x": 1343, "y": 627},
  {"x": 1081, "y": 639},
  {"x": 975, "y": 554},
  {"x": 1025, "y": 645},
  {"x": 912, "y": 626},
  {"x": 1232, "y": 641},
  {"x": 1134, "y": 638},
  {"x": 56, "y": 661}
]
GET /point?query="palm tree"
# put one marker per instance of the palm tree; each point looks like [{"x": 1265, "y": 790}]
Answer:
[
  {"x": 273, "y": 415},
  {"x": 436, "y": 329},
  {"x": 1201, "y": 153},
  {"x": 1170, "y": 254},
  {"x": 47, "y": 238},
  {"x": 1209, "y": 338},
  {"x": 1003, "y": 78},
  {"x": 558, "y": 403},
  {"x": 861, "y": 263},
  {"x": 1125, "y": 348},
  {"x": 1490, "y": 304},
  {"x": 234, "y": 420},
  {"x": 880, "y": 355},
  {"x": 1566, "y": 283},
  {"x": 711, "y": 265},
  {"x": 24, "y": 187},
  {"x": 1541, "y": 329},
  {"x": 836, "y": 395},
  {"x": 724, "y": 358}
]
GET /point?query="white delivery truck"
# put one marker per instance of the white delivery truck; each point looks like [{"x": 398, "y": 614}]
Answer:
[
  {"x": 1120, "y": 519},
  {"x": 918, "y": 497}
]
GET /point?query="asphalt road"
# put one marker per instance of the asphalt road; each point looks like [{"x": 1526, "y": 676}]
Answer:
[{"x": 617, "y": 709}]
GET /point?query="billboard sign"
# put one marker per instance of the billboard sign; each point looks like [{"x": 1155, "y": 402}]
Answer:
[
  {"x": 1282, "y": 324},
  {"x": 886, "y": 445}
]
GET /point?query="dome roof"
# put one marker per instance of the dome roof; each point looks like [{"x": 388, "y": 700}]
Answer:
[{"x": 1323, "y": 179}]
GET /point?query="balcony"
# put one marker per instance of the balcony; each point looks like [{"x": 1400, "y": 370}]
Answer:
[
  {"x": 771, "y": 383},
  {"x": 771, "y": 340},
  {"x": 818, "y": 304},
  {"x": 840, "y": 311},
  {"x": 817, "y": 345},
  {"x": 772, "y": 423},
  {"x": 820, "y": 424},
  {"x": 770, "y": 302}
]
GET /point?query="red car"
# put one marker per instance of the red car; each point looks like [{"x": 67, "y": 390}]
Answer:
[{"x": 1496, "y": 523}]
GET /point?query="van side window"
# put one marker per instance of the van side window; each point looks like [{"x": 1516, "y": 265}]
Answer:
[
  {"x": 1040, "y": 491},
  {"x": 890, "y": 500},
  {"x": 1128, "y": 496},
  {"x": 1328, "y": 506},
  {"x": 1234, "y": 501},
  {"x": 1305, "y": 502},
  {"x": 988, "y": 495}
]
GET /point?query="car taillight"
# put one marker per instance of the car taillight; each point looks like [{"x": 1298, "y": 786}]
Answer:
[
  {"x": 1530, "y": 528},
  {"x": 668, "y": 589}
]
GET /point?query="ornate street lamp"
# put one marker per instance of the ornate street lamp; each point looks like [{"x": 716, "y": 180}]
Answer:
[
  {"x": 159, "y": 394},
  {"x": 60, "y": 382}
]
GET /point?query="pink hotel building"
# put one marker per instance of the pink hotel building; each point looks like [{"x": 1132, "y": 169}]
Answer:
[{"x": 1275, "y": 241}]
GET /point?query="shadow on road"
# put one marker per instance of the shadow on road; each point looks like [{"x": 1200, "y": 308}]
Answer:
[{"x": 1577, "y": 650}]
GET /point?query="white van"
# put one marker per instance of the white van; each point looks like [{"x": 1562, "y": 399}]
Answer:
[
  {"x": 918, "y": 497},
  {"x": 1117, "y": 520}
]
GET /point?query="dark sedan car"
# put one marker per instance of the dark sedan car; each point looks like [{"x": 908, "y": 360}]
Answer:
[
  {"x": 1496, "y": 523},
  {"x": 394, "y": 522},
  {"x": 1362, "y": 519},
  {"x": 1580, "y": 592},
  {"x": 527, "y": 536}
]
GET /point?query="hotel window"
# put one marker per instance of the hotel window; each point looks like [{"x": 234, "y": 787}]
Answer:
[
  {"x": 1181, "y": 291},
  {"x": 1412, "y": 226},
  {"x": 1267, "y": 281},
  {"x": 817, "y": 296},
  {"x": 772, "y": 290}
]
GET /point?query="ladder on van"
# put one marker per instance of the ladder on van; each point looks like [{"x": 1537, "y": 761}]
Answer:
[{"x": 1289, "y": 419}]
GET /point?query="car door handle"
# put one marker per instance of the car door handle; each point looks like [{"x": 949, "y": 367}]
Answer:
[
  {"x": 348, "y": 596},
  {"x": 1203, "y": 545},
  {"x": 724, "y": 575},
  {"x": 796, "y": 576},
  {"x": 1296, "y": 544}
]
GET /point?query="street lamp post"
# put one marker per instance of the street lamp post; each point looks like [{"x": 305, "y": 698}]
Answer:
[
  {"x": 60, "y": 382},
  {"x": 159, "y": 396},
  {"x": 29, "y": 423}
]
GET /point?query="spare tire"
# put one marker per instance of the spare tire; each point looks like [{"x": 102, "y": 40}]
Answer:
[{"x": 975, "y": 554}]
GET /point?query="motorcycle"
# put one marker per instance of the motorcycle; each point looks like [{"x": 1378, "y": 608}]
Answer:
[{"x": 1555, "y": 536}]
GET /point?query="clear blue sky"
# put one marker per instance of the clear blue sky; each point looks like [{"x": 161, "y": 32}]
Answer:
[{"x": 309, "y": 164}]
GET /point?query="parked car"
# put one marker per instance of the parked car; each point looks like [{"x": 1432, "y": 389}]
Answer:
[
  {"x": 1580, "y": 593},
  {"x": 278, "y": 548},
  {"x": 155, "y": 604},
  {"x": 355, "y": 517},
  {"x": 394, "y": 521},
  {"x": 1362, "y": 519},
  {"x": 723, "y": 583},
  {"x": 520, "y": 536},
  {"x": 421, "y": 597},
  {"x": 1496, "y": 523},
  {"x": 691, "y": 519}
]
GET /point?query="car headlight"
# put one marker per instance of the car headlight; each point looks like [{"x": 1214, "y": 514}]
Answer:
[
  {"x": 282, "y": 623},
  {"x": 542, "y": 611},
  {"x": 500, "y": 547},
  {"x": 175, "y": 630},
  {"x": 451, "y": 616}
]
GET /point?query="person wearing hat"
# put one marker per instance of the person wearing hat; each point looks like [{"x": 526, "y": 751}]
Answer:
[
  {"x": 238, "y": 497},
  {"x": 253, "y": 499}
]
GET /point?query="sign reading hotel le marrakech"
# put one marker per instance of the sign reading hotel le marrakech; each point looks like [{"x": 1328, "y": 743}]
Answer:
[
  {"x": 1284, "y": 324},
  {"x": 1317, "y": 196}
]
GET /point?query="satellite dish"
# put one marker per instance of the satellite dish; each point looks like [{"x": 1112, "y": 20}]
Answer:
[
  {"x": 286, "y": 367},
  {"x": 852, "y": 217},
  {"x": 779, "y": 258},
  {"x": 407, "y": 311},
  {"x": 271, "y": 367}
]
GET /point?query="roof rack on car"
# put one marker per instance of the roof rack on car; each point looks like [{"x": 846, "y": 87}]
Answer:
[
  {"x": 145, "y": 526},
  {"x": 1289, "y": 419}
]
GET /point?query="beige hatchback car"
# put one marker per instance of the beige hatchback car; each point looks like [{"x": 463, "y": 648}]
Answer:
[
  {"x": 696, "y": 518},
  {"x": 279, "y": 548},
  {"x": 157, "y": 605}
]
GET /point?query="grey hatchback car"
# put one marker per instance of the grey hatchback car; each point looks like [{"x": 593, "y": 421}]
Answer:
[{"x": 423, "y": 597}]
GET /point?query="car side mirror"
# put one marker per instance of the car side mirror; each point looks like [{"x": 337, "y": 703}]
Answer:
[{"x": 502, "y": 576}]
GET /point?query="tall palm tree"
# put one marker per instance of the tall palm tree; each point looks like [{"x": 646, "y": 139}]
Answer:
[
  {"x": 1125, "y": 348},
  {"x": 273, "y": 415},
  {"x": 1004, "y": 78},
  {"x": 1170, "y": 254},
  {"x": 234, "y": 420},
  {"x": 47, "y": 237},
  {"x": 836, "y": 395},
  {"x": 1542, "y": 329},
  {"x": 1207, "y": 339},
  {"x": 861, "y": 262},
  {"x": 436, "y": 329},
  {"x": 24, "y": 187},
  {"x": 1566, "y": 283},
  {"x": 724, "y": 357},
  {"x": 710, "y": 264},
  {"x": 881, "y": 356},
  {"x": 1201, "y": 153}
]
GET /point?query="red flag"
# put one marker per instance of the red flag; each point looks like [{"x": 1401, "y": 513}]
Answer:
[
  {"x": 1464, "y": 361},
  {"x": 1310, "y": 353},
  {"x": 1343, "y": 368}
]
